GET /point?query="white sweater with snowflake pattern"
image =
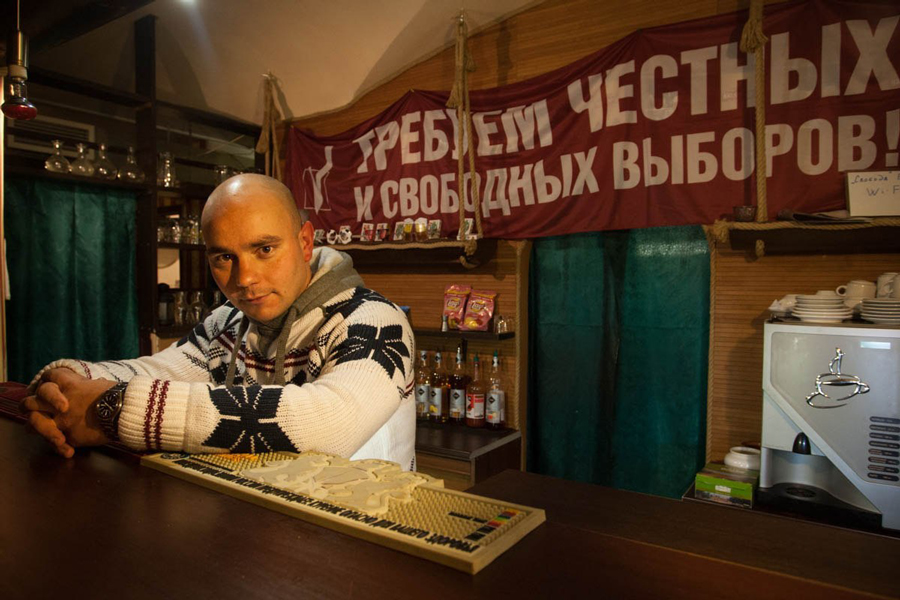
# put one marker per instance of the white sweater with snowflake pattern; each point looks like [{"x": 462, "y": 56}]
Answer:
[{"x": 349, "y": 375}]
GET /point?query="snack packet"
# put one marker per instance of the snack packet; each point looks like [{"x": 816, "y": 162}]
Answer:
[
  {"x": 479, "y": 311},
  {"x": 455, "y": 303}
]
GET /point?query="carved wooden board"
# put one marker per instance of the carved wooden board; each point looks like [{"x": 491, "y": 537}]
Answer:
[{"x": 370, "y": 499}]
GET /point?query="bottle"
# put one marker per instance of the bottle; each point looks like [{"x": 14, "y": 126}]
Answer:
[
  {"x": 440, "y": 392},
  {"x": 423, "y": 386},
  {"x": 475, "y": 397},
  {"x": 495, "y": 410},
  {"x": 458, "y": 383}
]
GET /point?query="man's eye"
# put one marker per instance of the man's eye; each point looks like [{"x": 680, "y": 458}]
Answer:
[
  {"x": 222, "y": 258},
  {"x": 267, "y": 249}
]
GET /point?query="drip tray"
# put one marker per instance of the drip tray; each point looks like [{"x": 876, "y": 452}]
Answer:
[{"x": 808, "y": 502}]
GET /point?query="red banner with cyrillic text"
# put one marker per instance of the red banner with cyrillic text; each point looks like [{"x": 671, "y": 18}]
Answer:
[{"x": 657, "y": 129}]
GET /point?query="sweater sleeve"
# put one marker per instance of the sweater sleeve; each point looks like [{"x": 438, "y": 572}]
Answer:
[
  {"x": 186, "y": 360},
  {"x": 362, "y": 365}
]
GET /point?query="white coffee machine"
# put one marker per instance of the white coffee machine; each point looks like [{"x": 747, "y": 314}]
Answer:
[{"x": 831, "y": 418}]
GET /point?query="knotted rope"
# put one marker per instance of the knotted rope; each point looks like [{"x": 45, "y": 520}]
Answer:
[
  {"x": 754, "y": 40},
  {"x": 459, "y": 99},
  {"x": 268, "y": 137}
]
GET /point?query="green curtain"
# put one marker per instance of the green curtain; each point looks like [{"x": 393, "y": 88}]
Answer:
[
  {"x": 619, "y": 327},
  {"x": 71, "y": 259}
]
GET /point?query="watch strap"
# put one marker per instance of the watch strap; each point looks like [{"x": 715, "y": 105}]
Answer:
[{"x": 108, "y": 409}]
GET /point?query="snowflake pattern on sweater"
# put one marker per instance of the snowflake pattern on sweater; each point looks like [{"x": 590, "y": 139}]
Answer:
[{"x": 348, "y": 365}]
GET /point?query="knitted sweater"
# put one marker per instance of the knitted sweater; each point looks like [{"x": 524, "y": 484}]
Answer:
[{"x": 349, "y": 375}]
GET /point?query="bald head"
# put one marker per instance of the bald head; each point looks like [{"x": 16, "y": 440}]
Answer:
[{"x": 248, "y": 192}]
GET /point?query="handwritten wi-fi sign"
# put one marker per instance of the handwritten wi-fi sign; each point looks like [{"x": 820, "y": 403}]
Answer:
[{"x": 873, "y": 193}]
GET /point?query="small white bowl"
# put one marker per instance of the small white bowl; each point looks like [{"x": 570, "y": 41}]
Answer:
[{"x": 743, "y": 457}]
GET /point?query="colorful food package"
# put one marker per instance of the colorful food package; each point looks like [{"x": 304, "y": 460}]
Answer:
[
  {"x": 479, "y": 311},
  {"x": 455, "y": 303}
]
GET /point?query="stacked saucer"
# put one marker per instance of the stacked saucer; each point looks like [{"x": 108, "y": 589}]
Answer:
[
  {"x": 821, "y": 309},
  {"x": 881, "y": 310}
]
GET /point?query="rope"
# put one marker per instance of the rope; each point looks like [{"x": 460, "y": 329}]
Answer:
[
  {"x": 754, "y": 40},
  {"x": 710, "y": 380},
  {"x": 459, "y": 99},
  {"x": 268, "y": 137}
]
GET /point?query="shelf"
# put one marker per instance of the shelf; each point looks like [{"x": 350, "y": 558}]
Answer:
[
  {"x": 879, "y": 236},
  {"x": 170, "y": 331},
  {"x": 180, "y": 246},
  {"x": 432, "y": 255},
  {"x": 185, "y": 189},
  {"x": 465, "y": 335},
  {"x": 85, "y": 88},
  {"x": 19, "y": 165},
  {"x": 459, "y": 442}
]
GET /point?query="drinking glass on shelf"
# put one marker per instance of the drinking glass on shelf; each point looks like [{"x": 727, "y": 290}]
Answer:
[
  {"x": 172, "y": 230},
  {"x": 223, "y": 172},
  {"x": 197, "y": 310},
  {"x": 82, "y": 164},
  {"x": 56, "y": 162},
  {"x": 130, "y": 171},
  {"x": 165, "y": 177},
  {"x": 103, "y": 167},
  {"x": 190, "y": 230},
  {"x": 180, "y": 311}
]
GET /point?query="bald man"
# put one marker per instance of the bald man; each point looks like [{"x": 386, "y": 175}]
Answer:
[{"x": 301, "y": 357}]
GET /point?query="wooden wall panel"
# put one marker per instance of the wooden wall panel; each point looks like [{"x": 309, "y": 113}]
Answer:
[
  {"x": 744, "y": 287},
  {"x": 547, "y": 36}
]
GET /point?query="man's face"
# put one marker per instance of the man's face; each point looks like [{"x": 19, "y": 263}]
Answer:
[{"x": 257, "y": 259}]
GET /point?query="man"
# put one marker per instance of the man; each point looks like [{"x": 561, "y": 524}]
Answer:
[{"x": 301, "y": 357}]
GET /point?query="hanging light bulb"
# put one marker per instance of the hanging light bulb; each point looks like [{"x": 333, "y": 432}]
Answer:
[{"x": 16, "y": 104}]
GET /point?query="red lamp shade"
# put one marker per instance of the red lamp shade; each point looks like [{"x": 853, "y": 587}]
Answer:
[
  {"x": 20, "y": 109},
  {"x": 17, "y": 105}
]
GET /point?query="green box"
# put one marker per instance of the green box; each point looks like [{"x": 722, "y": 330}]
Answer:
[{"x": 729, "y": 485}]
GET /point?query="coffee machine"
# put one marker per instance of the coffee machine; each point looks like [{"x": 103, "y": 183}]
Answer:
[{"x": 831, "y": 421}]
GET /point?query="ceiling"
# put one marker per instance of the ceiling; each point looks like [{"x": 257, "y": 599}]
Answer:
[{"x": 211, "y": 54}]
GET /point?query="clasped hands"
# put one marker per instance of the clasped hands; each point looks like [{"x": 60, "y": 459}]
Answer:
[{"x": 61, "y": 410}]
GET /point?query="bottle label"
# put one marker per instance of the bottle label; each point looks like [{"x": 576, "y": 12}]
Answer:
[
  {"x": 423, "y": 395},
  {"x": 474, "y": 406},
  {"x": 437, "y": 396},
  {"x": 457, "y": 403},
  {"x": 496, "y": 404}
]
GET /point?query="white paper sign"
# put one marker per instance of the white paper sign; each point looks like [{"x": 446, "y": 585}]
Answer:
[{"x": 873, "y": 193}]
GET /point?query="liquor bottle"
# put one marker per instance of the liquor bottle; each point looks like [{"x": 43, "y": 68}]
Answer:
[
  {"x": 458, "y": 383},
  {"x": 440, "y": 392},
  {"x": 475, "y": 397},
  {"x": 495, "y": 410},
  {"x": 423, "y": 386}
]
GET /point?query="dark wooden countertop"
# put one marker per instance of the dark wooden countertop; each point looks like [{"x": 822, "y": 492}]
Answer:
[{"x": 100, "y": 525}]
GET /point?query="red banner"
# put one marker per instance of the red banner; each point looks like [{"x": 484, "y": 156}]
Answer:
[{"x": 657, "y": 129}]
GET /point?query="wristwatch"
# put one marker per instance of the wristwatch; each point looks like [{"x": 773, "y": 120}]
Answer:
[{"x": 108, "y": 409}]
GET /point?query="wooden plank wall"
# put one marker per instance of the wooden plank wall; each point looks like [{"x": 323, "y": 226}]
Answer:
[{"x": 744, "y": 287}]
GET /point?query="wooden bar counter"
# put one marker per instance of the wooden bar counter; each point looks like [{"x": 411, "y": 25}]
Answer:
[{"x": 101, "y": 526}]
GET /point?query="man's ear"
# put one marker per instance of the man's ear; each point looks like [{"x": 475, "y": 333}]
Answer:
[{"x": 306, "y": 236}]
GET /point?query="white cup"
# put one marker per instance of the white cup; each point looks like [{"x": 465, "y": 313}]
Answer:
[
  {"x": 826, "y": 293},
  {"x": 857, "y": 288},
  {"x": 885, "y": 284},
  {"x": 743, "y": 457},
  {"x": 895, "y": 293}
]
